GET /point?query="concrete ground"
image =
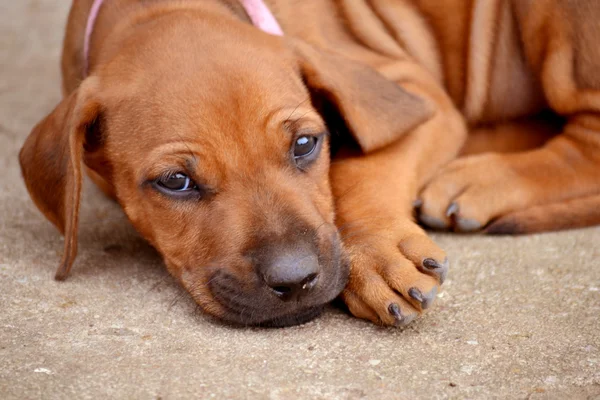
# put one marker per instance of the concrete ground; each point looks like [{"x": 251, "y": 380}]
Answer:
[{"x": 518, "y": 317}]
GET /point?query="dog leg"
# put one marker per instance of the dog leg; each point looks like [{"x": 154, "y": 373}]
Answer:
[
  {"x": 561, "y": 44},
  {"x": 396, "y": 269},
  {"x": 472, "y": 191}
]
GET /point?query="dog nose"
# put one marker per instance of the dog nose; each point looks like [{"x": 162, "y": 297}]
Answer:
[{"x": 292, "y": 274}]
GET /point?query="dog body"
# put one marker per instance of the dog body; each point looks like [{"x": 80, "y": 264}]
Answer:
[{"x": 213, "y": 137}]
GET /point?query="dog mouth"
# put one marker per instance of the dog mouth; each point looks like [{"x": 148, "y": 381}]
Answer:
[
  {"x": 262, "y": 320},
  {"x": 258, "y": 307},
  {"x": 298, "y": 318}
]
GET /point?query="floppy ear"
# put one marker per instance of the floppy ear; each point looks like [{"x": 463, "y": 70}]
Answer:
[
  {"x": 377, "y": 111},
  {"x": 51, "y": 165}
]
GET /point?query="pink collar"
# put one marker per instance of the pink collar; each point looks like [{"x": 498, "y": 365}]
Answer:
[{"x": 257, "y": 10}]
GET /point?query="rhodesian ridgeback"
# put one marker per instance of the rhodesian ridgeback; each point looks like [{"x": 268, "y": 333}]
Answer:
[{"x": 279, "y": 153}]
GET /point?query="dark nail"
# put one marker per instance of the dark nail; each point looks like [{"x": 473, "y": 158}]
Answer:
[
  {"x": 428, "y": 298},
  {"x": 394, "y": 310},
  {"x": 431, "y": 263},
  {"x": 452, "y": 209},
  {"x": 416, "y": 294},
  {"x": 417, "y": 203}
]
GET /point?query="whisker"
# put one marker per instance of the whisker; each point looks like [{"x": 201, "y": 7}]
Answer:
[
  {"x": 298, "y": 106},
  {"x": 187, "y": 147}
]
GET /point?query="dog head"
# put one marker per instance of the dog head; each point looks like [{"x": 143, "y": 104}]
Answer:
[{"x": 209, "y": 136}]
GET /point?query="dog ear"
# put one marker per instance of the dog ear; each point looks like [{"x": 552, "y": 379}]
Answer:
[
  {"x": 51, "y": 165},
  {"x": 377, "y": 111}
]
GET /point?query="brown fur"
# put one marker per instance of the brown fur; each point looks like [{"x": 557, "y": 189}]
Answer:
[
  {"x": 580, "y": 212},
  {"x": 404, "y": 87}
]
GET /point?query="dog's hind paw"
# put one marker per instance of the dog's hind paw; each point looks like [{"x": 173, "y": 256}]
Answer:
[{"x": 472, "y": 191}]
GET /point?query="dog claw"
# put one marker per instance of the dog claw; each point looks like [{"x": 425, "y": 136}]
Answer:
[
  {"x": 441, "y": 270},
  {"x": 417, "y": 203},
  {"x": 461, "y": 224},
  {"x": 426, "y": 299},
  {"x": 394, "y": 310},
  {"x": 452, "y": 210},
  {"x": 416, "y": 294},
  {"x": 431, "y": 263},
  {"x": 401, "y": 320}
]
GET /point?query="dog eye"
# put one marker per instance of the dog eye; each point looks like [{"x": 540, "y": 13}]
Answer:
[
  {"x": 304, "y": 146},
  {"x": 177, "y": 182}
]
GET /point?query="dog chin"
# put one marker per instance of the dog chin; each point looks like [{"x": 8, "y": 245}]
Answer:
[
  {"x": 273, "y": 318},
  {"x": 297, "y": 318},
  {"x": 259, "y": 313}
]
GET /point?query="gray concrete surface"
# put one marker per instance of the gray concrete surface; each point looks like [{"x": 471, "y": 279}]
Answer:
[{"x": 518, "y": 317}]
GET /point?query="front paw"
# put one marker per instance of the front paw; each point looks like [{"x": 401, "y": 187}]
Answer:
[{"x": 393, "y": 281}]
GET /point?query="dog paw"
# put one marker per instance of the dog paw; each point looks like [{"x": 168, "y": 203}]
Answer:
[
  {"x": 393, "y": 281},
  {"x": 469, "y": 193}
]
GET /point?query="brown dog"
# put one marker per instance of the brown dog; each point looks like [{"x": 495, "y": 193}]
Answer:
[{"x": 212, "y": 135}]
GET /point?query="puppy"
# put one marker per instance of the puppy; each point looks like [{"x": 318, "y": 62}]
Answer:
[{"x": 212, "y": 123}]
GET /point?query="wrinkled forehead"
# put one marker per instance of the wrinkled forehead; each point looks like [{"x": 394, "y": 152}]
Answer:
[
  {"x": 214, "y": 97},
  {"x": 231, "y": 91},
  {"x": 219, "y": 65},
  {"x": 220, "y": 95}
]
